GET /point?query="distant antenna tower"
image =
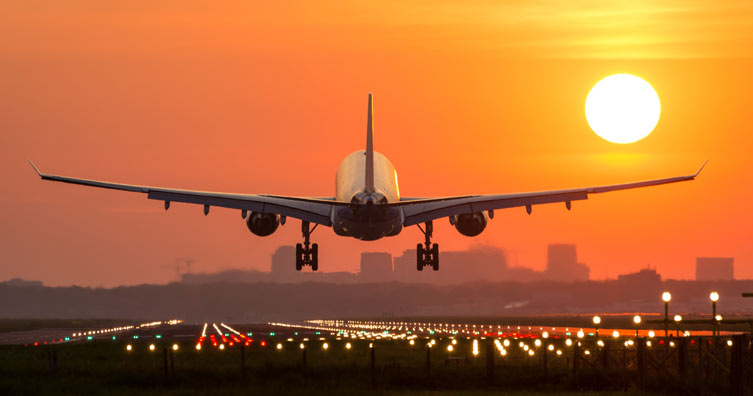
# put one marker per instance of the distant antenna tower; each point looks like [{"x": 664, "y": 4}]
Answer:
[
  {"x": 187, "y": 262},
  {"x": 175, "y": 268}
]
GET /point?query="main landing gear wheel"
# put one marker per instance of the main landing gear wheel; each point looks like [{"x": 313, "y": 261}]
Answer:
[
  {"x": 427, "y": 254},
  {"x": 306, "y": 253}
]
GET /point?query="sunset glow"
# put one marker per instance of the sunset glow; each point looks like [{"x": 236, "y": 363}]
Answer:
[{"x": 268, "y": 97}]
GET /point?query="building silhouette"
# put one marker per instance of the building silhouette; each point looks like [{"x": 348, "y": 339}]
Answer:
[
  {"x": 376, "y": 267},
  {"x": 283, "y": 264},
  {"x": 562, "y": 264},
  {"x": 714, "y": 268}
]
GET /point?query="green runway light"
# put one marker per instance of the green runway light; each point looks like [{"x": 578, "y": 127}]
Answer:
[
  {"x": 407, "y": 332},
  {"x": 113, "y": 338},
  {"x": 318, "y": 332},
  {"x": 272, "y": 334},
  {"x": 159, "y": 336},
  {"x": 67, "y": 338},
  {"x": 227, "y": 334},
  {"x": 136, "y": 337},
  {"x": 249, "y": 334},
  {"x": 89, "y": 338},
  {"x": 430, "y": 331},
  {"x": 296, "y": 333}
]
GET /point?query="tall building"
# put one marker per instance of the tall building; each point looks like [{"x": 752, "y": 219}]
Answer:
[
  {"x": 562, "y": 264},
  {"x": 479, "y": 264},
  {"x": 283, "y": 263},
  {"x": 376, "y": 267},
  {"x": 714, "y": 268}
]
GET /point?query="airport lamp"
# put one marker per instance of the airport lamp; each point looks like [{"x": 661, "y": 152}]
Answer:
[
  {"x": 637, "y": 321},
  {"x": 678, "y": 319},
  {"x": 714, "y": 297},
  {"x": 666, "y": 297},
  {"x": 597, "y": 322}
]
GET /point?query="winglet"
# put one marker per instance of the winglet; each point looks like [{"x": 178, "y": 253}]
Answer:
[
  {"x": 701, "y": 168},
  {"x": 35, "y": 168},
  {"x": 369, "y": 177}
]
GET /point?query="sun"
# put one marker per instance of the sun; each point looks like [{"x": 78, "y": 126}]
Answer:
[{"x": 622, "y": 108}]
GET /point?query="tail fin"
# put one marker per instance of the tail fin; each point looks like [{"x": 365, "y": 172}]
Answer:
[{"x": 369, "y": 179}]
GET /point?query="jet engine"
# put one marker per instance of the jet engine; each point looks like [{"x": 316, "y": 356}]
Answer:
[
  {"x": 262, "y": 224},
  {"x": 470, "y": 224}
]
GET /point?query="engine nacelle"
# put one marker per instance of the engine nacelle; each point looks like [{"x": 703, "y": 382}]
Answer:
[
  {"x": 262, "y": 224},
  {"x": 470, "y": 224}
]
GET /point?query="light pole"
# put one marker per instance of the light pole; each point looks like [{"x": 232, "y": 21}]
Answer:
[
  {"x": 714, "y": 297},
  {"x": 678, "y": 319},
  {"x": 597, "y": 322},
  {"x": 637, "y": 322},
  {"x": 666, "y": 297}
]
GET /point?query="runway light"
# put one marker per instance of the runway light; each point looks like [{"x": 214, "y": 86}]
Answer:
[
  {"x": 559, "y": 352},
  {"x": 449, "y": 348},
  {"x": 175, "y": 347},
  {"x": 454, "y": 342},
  {"x": 569, "y": 342},
  {"x": 537, "y": 343},
  {"x": 530, "y": 352},
  {"x": 581, "y": 334},
  {"x": 347, "y": 346},
  {"x": 718, "y": 318},
  {"x": 637, "y": 319},
  {"x": 651, "y": 334},
  {"x": 616, "y": 334},
  {"x": 325, "y": 346},
  {"x": 506, "y": 343},
  {"x": 729, "y": 342},
  {"x": 151, "y": 347},
  {"x": 411, "y": 342},
  {"x": 129, "y": 347},
  {"x": 600, "y": 343},
  {"x": 597, "y": 320},
  {"x": 678, "y": 318},
  {"x": 198, "y": 347},
  {"x": 222, "y": 347},
  {"x": 545, "y": 334},
  {"x": 550, "y": 347},
  {"x": 302, "y": 346}
]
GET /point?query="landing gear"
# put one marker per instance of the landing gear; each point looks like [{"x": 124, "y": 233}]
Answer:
[
  {"x": 427, "y": 254},
  {"x": 307, "y": 253}
]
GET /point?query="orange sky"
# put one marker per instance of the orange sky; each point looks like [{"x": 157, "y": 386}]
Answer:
[{"x": 268, "y": 98}]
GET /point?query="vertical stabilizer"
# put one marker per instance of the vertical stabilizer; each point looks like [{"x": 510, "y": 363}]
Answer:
[{"x": 369, "y": 179}]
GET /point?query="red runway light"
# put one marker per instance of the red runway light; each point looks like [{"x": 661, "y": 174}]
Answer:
[
  {"x": 263, "y": 343},
  {"x": 36, "y": 343}
]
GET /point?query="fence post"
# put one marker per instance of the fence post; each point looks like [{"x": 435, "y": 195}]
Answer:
[
  {"x": 682, "y": 358},
  {"x": 373, "y": 367},
  {"x": 489, "y": 364},
  {"x": 736, "y": 369},
  {"x": 641, "y": 358},
  {"x": 243, "y": 361},
  {"x": 172, "y": 363},
  {"x": 164, "y": 364},
  {"x": 428, "y": 360},
  {"x": 576, "y": 364}
]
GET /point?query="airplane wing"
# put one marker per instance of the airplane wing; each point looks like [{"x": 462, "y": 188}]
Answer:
[
  {"x": 421, "y": 210},
  {"x": 314, "y": 210}
]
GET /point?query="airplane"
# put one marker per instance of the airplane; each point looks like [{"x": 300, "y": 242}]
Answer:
[{"x": 367, "y": 204}]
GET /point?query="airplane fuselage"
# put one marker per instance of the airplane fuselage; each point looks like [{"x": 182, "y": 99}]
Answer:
[{"x": 367, "y": 219}]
